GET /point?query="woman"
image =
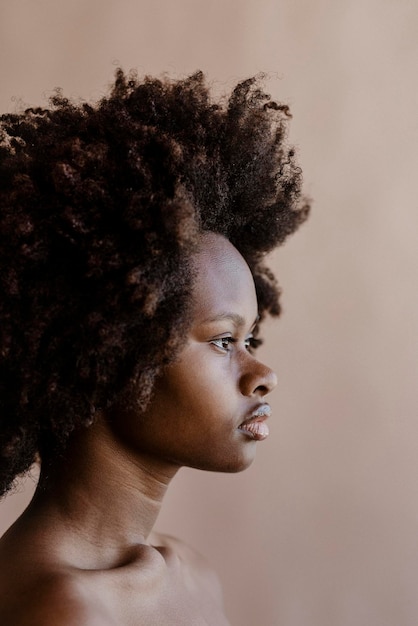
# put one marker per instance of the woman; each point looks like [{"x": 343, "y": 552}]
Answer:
[{"x": 133, "y": 235}]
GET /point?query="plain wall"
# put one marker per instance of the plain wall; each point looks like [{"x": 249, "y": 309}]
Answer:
[{"x": 322, "y": 529}]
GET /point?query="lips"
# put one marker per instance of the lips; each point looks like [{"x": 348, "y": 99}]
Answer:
[{"x": 255, "y": 426}]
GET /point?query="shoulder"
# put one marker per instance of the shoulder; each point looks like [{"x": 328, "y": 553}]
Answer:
[
  {"x": 49, "y": 599},
  {"x": 36, "y": 591}
]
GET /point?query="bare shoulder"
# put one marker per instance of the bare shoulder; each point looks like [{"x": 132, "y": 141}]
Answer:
[
  {"x": 165, "y": 579},
  {"x": 48, "y": 598},
  {"x": 194, "y": 562},
  {"x": 35, "y": 590}
]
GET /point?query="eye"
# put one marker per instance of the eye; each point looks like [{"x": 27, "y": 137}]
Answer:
[
  {"x": 248, "y": 343},
  {"x": 223, "y": 343},
  {"x": 251, "y": 343}
]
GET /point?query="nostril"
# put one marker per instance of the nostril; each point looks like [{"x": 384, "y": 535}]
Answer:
[
  {"x": 268, "y": 380},
  {"x": 261, "y": 380},
  {"x": 267, "y": 388},
  {"x": 262, "y": 390}
]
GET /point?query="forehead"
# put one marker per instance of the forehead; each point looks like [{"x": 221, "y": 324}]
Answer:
[{"x": 223, "y": 282}]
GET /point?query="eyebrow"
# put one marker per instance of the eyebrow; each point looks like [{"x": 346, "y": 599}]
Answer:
[{"x": 237, "y": 319}]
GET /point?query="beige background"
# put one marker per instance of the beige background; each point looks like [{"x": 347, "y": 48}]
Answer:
[{"x": 322, "y": 530}]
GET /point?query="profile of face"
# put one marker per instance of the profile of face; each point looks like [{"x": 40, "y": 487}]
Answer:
[{"x": 208, "y": 409}]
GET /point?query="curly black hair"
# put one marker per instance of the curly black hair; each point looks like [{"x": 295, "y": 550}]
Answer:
[{"x": 100, "y": 213}]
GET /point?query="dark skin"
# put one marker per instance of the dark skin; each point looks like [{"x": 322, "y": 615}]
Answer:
[{"x": 84, "y": 553}]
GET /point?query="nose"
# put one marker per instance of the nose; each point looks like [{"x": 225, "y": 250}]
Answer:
[{"x": 258, "y": 379}]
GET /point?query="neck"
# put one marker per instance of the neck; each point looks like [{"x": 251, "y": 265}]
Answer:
[{"x": 101, "y": 497}]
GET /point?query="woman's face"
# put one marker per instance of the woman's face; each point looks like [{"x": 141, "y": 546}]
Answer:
[{"x": 202, "y": 400}]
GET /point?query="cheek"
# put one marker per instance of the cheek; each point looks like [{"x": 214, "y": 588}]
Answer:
[
  {"x": 194, "y": 399},
  {"x": 206, "y": 387}
]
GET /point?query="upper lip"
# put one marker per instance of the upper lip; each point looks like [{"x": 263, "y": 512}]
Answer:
[{"x": 260, "y": 413}]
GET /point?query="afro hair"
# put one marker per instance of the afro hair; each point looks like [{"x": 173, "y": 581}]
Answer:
[{"x": 101, "y": 207}]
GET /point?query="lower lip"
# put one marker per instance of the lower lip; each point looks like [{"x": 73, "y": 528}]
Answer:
[{"x": 255, "y": 430}]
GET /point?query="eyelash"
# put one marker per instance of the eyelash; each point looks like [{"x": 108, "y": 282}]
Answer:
[{"x": 249, "y": 343}]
